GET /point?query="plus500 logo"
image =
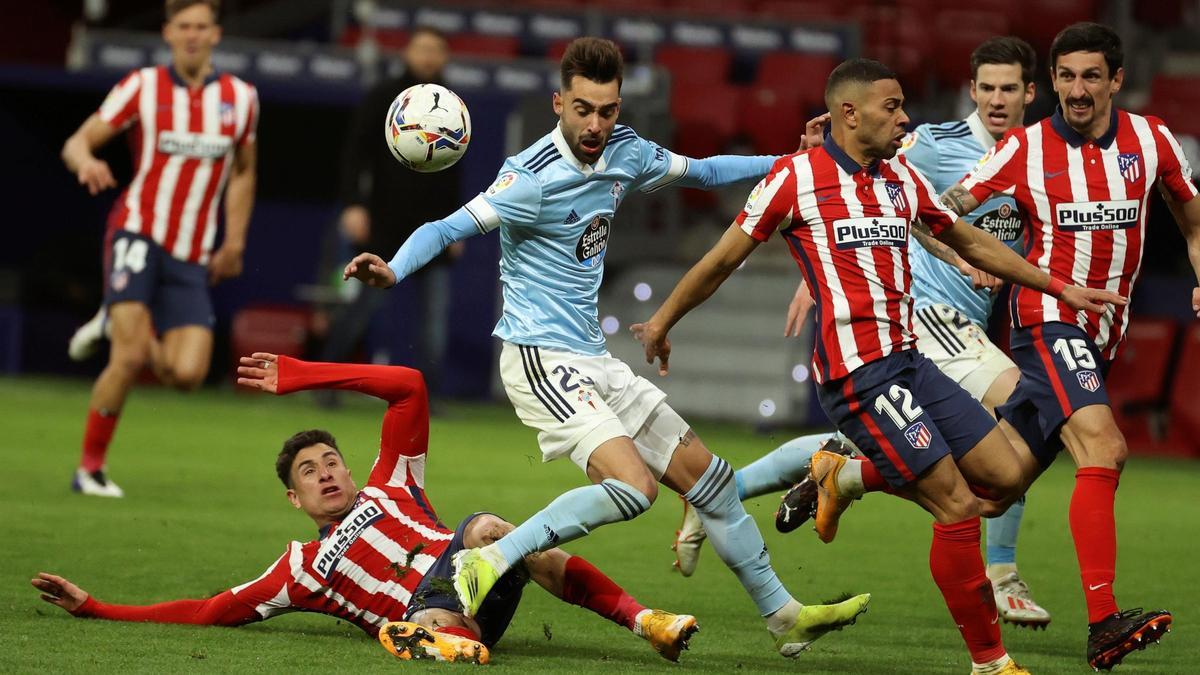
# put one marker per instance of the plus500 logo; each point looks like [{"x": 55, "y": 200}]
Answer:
[
  {"x": 1093, "y": 216},
  {"x": 849, "y": 233}
]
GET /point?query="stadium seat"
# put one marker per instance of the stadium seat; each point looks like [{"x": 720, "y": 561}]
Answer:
[
  {"x": 1138, "y": 379},
  {"x": 477, "y": 44},
  {"x": 772, "y": 118},
  {"x": 278, "y": 329},
  {"x": 805, "y": 74},
  {"x": 1183, "y": 429},
  {"x": 1175, "y": 100},
  {"x": 804, "y": 11},
  {"x": 694, "y": 65},
  {"x": 1051, "y": 16},
  {"x": 706, "y": 121},
  {"x": 962, "y": 31}
]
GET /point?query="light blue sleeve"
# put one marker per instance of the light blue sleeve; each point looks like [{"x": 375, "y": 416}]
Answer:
[
  {"x": 661, "y": 168},
  {"x": 514, "y": 198},
  {"x": 431, "y": 239}
]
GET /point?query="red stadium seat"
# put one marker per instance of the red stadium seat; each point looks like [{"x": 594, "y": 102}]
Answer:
[
  {"x": 269, "y": 328},
  {"x": 961, "y": 32},
  {"x": 772, "y": 118},
  {"x": 694, "y": 65},
  {"x": 1183, "y": 429},
  {"x": 1137, "y": 382},
  {"x": 706, "y": 121},
  {"x": 709, "y": 8},
  {"x": 804, "y": 74},
  {"x": 804, "y": 11},
  {"x": 1048, "y": 17},
  {"x": 1175, "y": 100},
  {"x": 476, "y": 44}
]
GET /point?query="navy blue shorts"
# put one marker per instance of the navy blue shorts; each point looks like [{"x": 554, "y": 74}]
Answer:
[
  {"x": 498, "y": 607},
  {"x": 139, "y": 270},
  {"x": 1061, "y": 372},
  {"x": 905, "y": 414}
]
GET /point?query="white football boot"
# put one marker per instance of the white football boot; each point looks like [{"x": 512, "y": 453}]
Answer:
[
  {"x": 1015, "y": 604},
  {"x": 87, "y": 338},
  {"x": 96, "y": 484}
]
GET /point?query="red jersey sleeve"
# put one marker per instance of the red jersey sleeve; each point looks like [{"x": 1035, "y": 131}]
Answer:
[
  {"x": 219, "y": 610},
  {"x": 405, "y": 435},
  {"x": 1000, "y": 169},
  {"x": 931, "y": 212},
  {"x": 1173, "y": 168},
  {"x": 120, "y": 107},
  {"x": 270, "y": 593},
  {"x": 771, "y": 203}
]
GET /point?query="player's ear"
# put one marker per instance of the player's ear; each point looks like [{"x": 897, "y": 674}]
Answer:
[
  {"x": 1118, "y": 80},
  {"x": 849, "y": 114},
  {"x": 557, "y": 103},
  {"x": 291, "y": 495},
  {"x": 1030, "y": 92},
  {"x": 216, "y": 34}
]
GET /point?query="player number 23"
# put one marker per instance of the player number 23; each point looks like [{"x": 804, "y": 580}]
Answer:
[
  {"x": 129, "y": 254},
  {"x": 1075, "y": 353},
  {"x": 908, "y": 411}
]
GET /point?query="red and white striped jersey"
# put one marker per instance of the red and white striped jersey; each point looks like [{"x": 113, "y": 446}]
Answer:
[
  {"x": 847, "y": 227},
  {"x": 1085, "y": 204},
  {"x": 183, "y": 141},
  {"x": 364, "y": 568}
]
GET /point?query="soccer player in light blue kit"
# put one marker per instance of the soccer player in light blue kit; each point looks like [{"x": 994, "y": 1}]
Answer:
[
  {"x": 951, "y": 315},
  {"x": 554, "y": 205}
]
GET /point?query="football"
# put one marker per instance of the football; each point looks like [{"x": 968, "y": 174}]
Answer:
[{"x": 427, "y": 127}]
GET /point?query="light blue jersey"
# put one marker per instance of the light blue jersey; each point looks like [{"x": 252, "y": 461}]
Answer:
[
  {"x": 555, "y": 216},
  {"x": 945, "y": 153}
]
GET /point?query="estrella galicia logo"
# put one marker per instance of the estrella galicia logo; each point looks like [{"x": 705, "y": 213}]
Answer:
[
  {"x": 1088, "y": 380},
  {"x": 593, "y": 241},
  {"x": 918, "y": 436},
  {"x": 339, "y": 541},
  {"x": 1002, "y": 222},
  {"x": 1119, "y": 214},
  {"x": 852, "y": 233}
]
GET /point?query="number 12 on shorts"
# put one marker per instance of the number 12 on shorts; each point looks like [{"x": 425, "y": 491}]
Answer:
[{"x": 908, "y": 411}]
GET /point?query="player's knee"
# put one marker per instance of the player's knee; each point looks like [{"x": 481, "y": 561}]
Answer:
[
  {"x": 957, "y": 506},
  {"x": 485, "y": 529},
  {"x": 129, "y": 359},
  {"x": 632, "y": 499},
  {"x": 186, "y": 378}
]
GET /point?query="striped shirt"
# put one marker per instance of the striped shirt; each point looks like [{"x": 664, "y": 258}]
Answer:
[
  {"x": 847, "y": 227},
  {"x": 1085, "y": 204},
  {"x": 183, "y": 141},
  {"x": 364, "y": 568}
]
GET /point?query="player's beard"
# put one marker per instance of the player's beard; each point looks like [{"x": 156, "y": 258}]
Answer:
[
  {"x": 590, "y": 155},
  {"x": 1073, "y": 115}
]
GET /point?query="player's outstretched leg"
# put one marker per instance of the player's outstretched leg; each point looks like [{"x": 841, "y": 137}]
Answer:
[
  {"x": 410, "y": 641},
  {"x": 774, "y": 471},
  {"x": 799, "y": 503},
  {"x": 572, "y": 515},
  {"x": 1013, "y": 599},
  {"x": 840, "y": 480},
  {"x": 739, "y": 544},
  {"x": 1111, "y": 639}
]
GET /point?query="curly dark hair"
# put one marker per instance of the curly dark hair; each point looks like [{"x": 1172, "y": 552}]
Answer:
[{"x": 298, "y": 442}]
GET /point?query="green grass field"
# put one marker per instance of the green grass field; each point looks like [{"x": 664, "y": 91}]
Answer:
[{"x": 205, "y": 511}]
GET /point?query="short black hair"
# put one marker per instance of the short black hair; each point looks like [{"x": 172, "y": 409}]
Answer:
[
  {"x": 1004, "y": 51},
  {"x": 596, "y": 59},
  {"x": 429, "y": 30},
  {"x": 1087, "y": 36},
  {"x": 173, "y": 7},
  {"x": 859, "y": 71},
  {"x": 298, "y": 442}
]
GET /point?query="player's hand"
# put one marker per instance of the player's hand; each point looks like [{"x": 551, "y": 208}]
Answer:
[
  {"x": 798, "y": 308},
  {"x": 260, "y": 371},
  {"x": 355, "y": 224},
  {"x": 226, "y": 263},
  {"x": 1091, "y": 299},
  {"x": 979, "y": 278},
  {"x": 58, "y": 591},
  {"x": 95, "y": 175},
  {"x": 814, "y": 132},
  {"x": 455, "y": 250},
  {"x": 1196, "y": 301},
  {"x": 654, "y": 340},
  {"x": 371, "y": 270}
]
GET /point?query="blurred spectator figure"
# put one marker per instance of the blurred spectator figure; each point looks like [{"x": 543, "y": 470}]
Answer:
[{"x": 384, "y": 203}]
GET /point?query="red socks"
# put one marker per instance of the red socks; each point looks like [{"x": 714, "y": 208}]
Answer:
[
  {"x": 588, "y": 587},
  {"x": 873, "y": 481},
  {"x": 460, "y": 631},
  {"x": 96, "y": 437},
  {"x": 957, "y": 568},
  {"x": 1094, "y": 529}
]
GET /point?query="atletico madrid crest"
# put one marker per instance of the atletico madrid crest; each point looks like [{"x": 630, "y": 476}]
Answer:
[
  {"x": 1088, "y": 380},
  {"x": 895, "y": 192},
  {"x": 918, "y": 436},
  {"x": 1130, "y": 165}
]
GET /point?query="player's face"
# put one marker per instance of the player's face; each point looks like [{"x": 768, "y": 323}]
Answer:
[
  {"x": 321, "y": 483},
  {"x": 1001, "y": 96},
  {"x": 192, "y": 34},
  {"x": 587, "y": 112},
  {"x": 881, "y": 119},
  {"x": 426, "y": 55},
  {"x": 1085, "y": 90}
]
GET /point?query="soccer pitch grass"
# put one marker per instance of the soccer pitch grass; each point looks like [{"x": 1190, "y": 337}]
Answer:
[{"x": 205, "y": 511}]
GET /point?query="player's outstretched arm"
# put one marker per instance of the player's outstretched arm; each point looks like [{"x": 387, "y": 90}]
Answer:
[
  {"x": 979, "y": 278},
  {"x": 959, "y": 200},
  {"x": 798, "y": 309},
  {"x": 277, "y": 374},
  {"x": 1187, "y": 217},
  {"x": 695, "y": 287},
  {"x": 220, "y": 610},
  {"x": 77, "y": 154},
  {"x": 422, "y": 245},
  {"x": 988, "y": 254},
  {"x": 226, "y": 262},
  {"x": 721, "y": 170}
]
